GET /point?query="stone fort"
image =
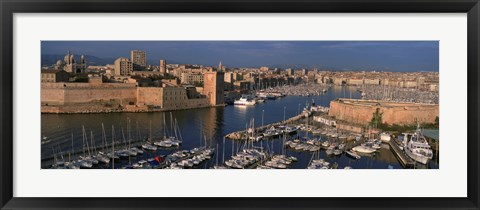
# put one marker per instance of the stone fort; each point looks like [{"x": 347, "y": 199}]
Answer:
[
  {"x": 361, "y": 111},
  {"x": 96, "y": 96}
]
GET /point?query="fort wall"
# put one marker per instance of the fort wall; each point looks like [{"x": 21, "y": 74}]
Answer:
[
  {"x": 114, "y": 97},
  {"x": 361, "y": 111},
  {"x": 88, "y": 93}
]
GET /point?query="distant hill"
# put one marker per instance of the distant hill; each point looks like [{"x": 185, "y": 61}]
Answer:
[{"x": 48, "y": 60}]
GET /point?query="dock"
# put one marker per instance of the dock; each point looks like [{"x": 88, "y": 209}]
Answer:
[
  {"x": 105, "y": 148},
  {"x": 400, "y": 155},
  {"x": 260, "y": 162},
  {"x": 238, "y": 135},
  {"x": 165, "y": 164}
]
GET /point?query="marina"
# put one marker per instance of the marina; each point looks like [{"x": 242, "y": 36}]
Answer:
[
  {"x": 387, "y": 93},
  {"x": 221, "y": 130}
]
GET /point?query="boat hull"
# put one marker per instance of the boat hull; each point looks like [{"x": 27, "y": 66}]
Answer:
[{"x": 418, "y": 158}]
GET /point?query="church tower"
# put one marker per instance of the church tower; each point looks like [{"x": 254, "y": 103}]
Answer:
[{"x": 220, "y": 67}]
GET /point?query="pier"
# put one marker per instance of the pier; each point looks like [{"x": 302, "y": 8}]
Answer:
[
  {"x": 165, "y": 164},
  {"x": 105, "y": 148},
  {"x": 238, "y": 135},
  {"x": 401, "y": 156}
]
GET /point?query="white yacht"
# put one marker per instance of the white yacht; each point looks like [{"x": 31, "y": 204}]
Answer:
[
  {"x": 417, "y": 148},
  {"x": 363, "y": 149},
  {"x": 385, "y": 137},
  {"x": 245, "y": 100},
  {"x": 352, "y": 154}
]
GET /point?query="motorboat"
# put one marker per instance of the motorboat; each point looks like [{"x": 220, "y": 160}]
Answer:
[
  {"x": 245, "y": 101},
  {"x": 289, "y": 130},
  {"x": 329, "y": 151},
  {"x": 260, "y": 100},
  {"x": 132, "y": 151},
  {"x": 271, "y": 96},
  {"x": 385, "y": 137},
  {"x": 418, "y": 148},
  {"x": 103, "y": 159},
  {"x": 352, "y": 154},
  {"x": 337, "y": 152},
  {"x": 364, "y": 149},
  {"x": 271, "y": 132},
  {"x": 139, "y": 151},
  {"x": 84, "y": 164},
  {"x": 123, "y": 154},
  {"x": 255, "y": 138},
  {"x": 149, "y": 147},
  {"x": 325, "y": 144}
]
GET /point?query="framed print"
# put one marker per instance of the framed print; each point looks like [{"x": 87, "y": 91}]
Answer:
[{"x": 239, "y": 105}]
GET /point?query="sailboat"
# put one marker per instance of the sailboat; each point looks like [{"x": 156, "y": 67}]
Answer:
[
  {"x": 71, "y": 164},
  {"x": 102, "y": 157},
  {"x": 86, "y": 161},
  {"x": 169, "y": 140},
  {"x": 113, "y": 155},
  {"x": 139, "y": 151},
  {"x": 148, "y": 145}
]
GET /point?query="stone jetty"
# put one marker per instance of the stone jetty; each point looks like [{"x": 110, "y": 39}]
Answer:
[{"x": 238, "y": 135}]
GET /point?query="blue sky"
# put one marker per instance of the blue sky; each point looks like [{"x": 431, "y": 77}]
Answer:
[{"x": 340, "y": 55}]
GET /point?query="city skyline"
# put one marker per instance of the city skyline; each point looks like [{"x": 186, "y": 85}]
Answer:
[{"x": 400, "y": 56}]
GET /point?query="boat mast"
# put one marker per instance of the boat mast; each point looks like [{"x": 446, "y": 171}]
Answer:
[
  {"x": 104, "y": 138},
  {"x": 129, "y": 132},
  {"x": 54, "y": 158},
  {"x": 150, "y": 132},
  {"x": 216, "y": 154},
  {"x": 171, "y": 124},
  {"x": 94, "y": 149},
  {"x": 136, "y": 131},
  {"x": 164, "y": 127},
  {"x": 179, "y": 132},
  {"x": 83, "y": 140},
  {"x": 113, "y": 147},
  {"x": 124, "y": 140},
  {"x": 223, "y": 156},
  {"x": 61, "y": 153},
  {"x": 233, "y": 145},
  {"x": 175, "y": 129},
  {"x": 73, "y": 153}
]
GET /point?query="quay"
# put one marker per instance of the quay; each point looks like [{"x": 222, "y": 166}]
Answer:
[{"x": 400, "y": 155}]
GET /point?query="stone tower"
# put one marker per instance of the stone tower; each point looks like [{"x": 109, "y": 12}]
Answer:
[
  {"x": 220, "y": 67},
  {"x": 213, "y": 87},
  {"x": 163, "y": 67}
]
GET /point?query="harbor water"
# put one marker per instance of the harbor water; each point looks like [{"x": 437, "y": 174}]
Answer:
[{"x": 198, "y": 127}]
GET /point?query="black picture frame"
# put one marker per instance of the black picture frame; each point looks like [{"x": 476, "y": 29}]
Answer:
[{"x": 9, "y": 7}]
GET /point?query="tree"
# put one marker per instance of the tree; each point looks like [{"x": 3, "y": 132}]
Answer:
[{"x": 376, "y": 118}]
